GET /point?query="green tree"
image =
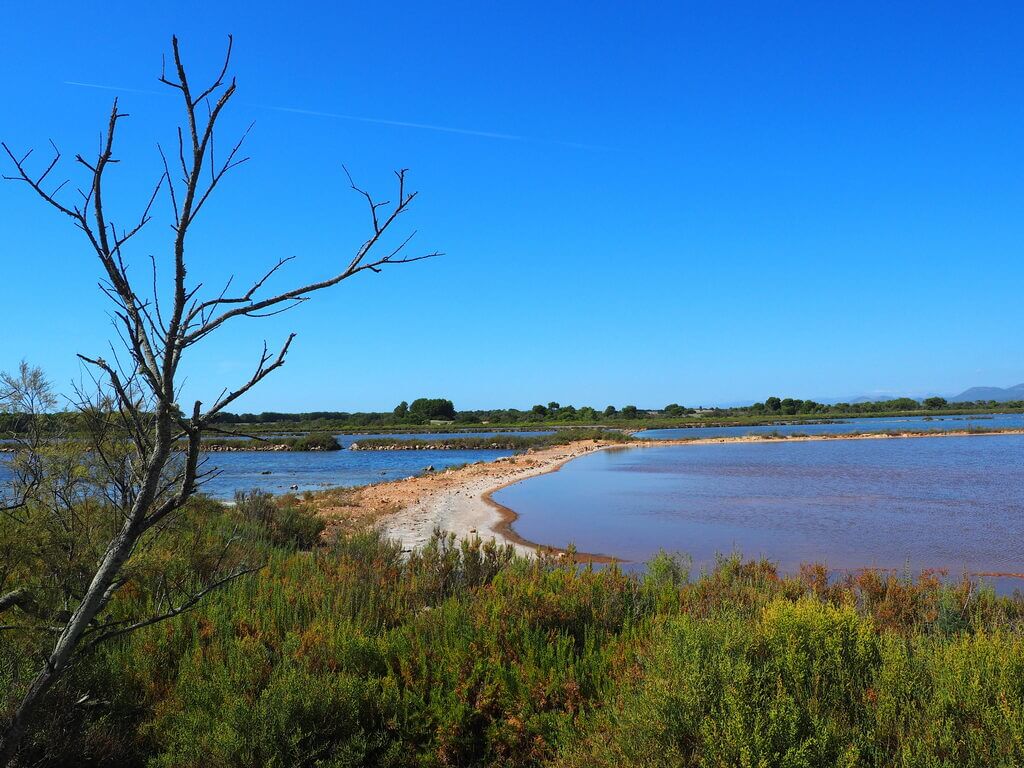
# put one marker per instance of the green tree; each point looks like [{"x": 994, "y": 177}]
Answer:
[
  {"x": 629, "y": 411},
  {"x": 539, "y": 410},
  {"x": 789, "y": 406},
  {"x": 903, "y": 404},
  {"x": 610, "y": 411},
  {"x": 935, "y": 402},
  {"x": 425, "y": 409},
  {"x": 402, "y": 410}
]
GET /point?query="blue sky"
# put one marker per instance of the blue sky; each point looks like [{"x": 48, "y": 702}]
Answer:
[{"x": 641, "y": 203}]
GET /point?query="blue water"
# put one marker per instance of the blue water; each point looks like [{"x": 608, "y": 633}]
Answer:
[
  {"x": 316, "y": 470},
  {"x": 937, "y": 423},
  {"x": 955, "y": 503}
]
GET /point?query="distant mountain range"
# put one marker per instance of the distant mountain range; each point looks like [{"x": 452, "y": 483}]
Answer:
[{"x": 998, "y": 394}]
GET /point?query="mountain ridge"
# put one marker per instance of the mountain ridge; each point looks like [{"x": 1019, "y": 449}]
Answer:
[{"x": 999, "y": 394}]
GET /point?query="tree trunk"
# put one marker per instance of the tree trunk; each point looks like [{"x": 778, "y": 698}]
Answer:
[{"x": 92, "y": 603}]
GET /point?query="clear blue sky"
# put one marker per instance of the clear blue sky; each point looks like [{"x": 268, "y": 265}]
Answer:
[{"x": 673, "y": 202}]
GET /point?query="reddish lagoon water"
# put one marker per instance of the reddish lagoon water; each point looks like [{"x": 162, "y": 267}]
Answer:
[{"x": 953, "y": 502}]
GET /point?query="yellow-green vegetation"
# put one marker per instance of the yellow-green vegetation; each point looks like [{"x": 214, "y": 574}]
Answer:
[{"x": 352, "y": 653}]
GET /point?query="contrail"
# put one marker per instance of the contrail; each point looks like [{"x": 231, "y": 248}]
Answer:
[
  {"x": 381, "y": 121},
  {"x": 374, "y": 120},
  {"x": 111, "y": 87},
  {"x": 442, "y": 128}
]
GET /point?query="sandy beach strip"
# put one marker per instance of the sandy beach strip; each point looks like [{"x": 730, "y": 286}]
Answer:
[
  {"x": 457, "y": 500},
  {"x": 460, "y": 500}
]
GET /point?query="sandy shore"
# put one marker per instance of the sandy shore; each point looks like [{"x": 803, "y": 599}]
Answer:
[{"x": 459, "y": 500}]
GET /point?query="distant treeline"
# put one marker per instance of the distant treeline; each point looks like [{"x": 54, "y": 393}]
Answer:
[
  {"x": 791, "y": 407},
  {"x": 439, "y": 412},
  {"x": 423, "y": 412},
  {"x": 506, "y": 442}
]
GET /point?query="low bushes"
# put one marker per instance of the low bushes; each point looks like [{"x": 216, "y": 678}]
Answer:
[
  {"x": 286, "y": 523},
  {"x": 812, "y": 684},
  {"x": 461, "y": 654},
  {"x": 312, "y": 442}
]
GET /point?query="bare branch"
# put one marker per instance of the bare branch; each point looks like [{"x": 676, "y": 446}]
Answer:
[
  {"x": 262, "y": 371},
  {"x": 17, "y": 597},
  {"x": 358, "y": 264}
]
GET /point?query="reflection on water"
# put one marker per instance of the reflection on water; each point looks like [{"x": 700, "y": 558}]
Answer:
[{"x": 956, "y": 503}]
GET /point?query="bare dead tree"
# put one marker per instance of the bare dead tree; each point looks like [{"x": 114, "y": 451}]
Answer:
[{"x": 157, "y": 466}]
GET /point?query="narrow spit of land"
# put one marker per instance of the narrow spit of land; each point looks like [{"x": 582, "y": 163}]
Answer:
[{"x": 460, "y": 500}]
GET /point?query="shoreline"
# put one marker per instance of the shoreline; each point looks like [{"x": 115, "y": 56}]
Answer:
[{"x": 460, "y": 500}]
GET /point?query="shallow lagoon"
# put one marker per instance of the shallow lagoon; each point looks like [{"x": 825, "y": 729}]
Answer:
[
  {"x": 844, "y": 426},
  {"x": 316, "y": 470},
  {"x": 277, "y": 471},
  {"x": 955, "y": 502}
]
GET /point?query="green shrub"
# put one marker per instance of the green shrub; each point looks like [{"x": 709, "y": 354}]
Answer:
[
  {"x": 285, "y": 523},
  {"x": 314, "y": 442},
  {"x": 297, "y": 527},
  {"x": 311, "y": 442},
  {"x": 461, "y": 654}
]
